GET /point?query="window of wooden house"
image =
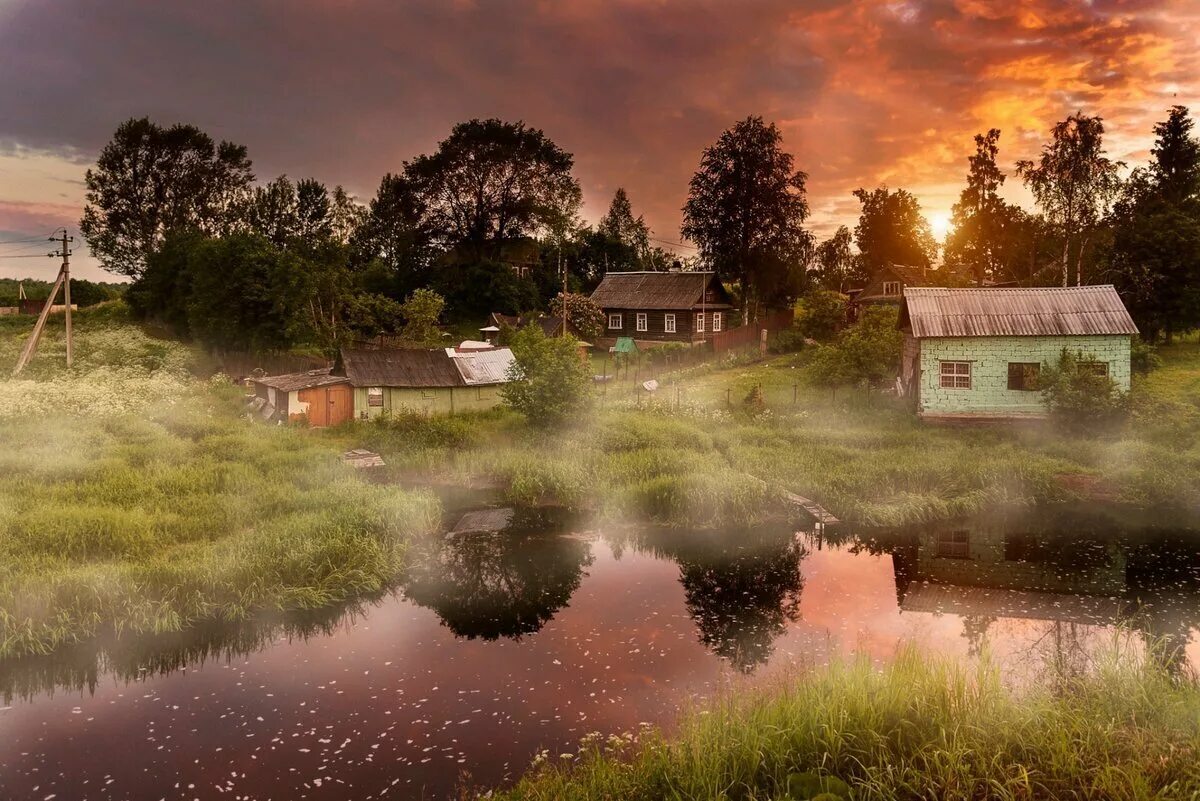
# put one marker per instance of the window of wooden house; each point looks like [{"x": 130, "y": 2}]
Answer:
[
  {"x": 615, "y": 321},
  {"x": 700, "y": 322},
  {"x": 956, "y": 375},
  {"x": 375, "y": 396},
  {"x": 717, "y": 321},
  {"x": 1023, "y": 375},
  {"x": 954, "y": 545},
  {"x": 669, "y": 323},
  {"x": 641, "y": 322},
  {"x": 892, "y": 288}
]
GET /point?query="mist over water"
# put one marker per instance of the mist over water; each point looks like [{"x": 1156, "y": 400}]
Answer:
[{"x": 519, "y": 630}]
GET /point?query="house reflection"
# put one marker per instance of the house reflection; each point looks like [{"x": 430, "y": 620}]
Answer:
[{"x": 1076, "y": 573}]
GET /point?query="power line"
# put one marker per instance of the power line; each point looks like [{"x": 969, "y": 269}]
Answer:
[
  {"x": 676, "y": 244},
  {"x": 30, "y": 256}
]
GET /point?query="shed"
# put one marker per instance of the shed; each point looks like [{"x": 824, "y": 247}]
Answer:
[
  {"x": 976, "y": 352},
  {"x": 676, "y": 306},
  {"x": 317, "y": 396},
  {"x": 426, "y": 381}
]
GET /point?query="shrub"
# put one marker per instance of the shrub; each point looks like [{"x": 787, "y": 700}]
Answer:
[
  {"x": 788, "y": 341},
  {"x": 822, "y": 314},
  {"x": 548, "y": 381},
  {"x": 1080, "y": 397},
  {"x": 1143, "y": 357}
]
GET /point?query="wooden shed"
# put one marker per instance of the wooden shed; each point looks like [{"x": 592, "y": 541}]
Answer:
[
  {"x": 442, "y": 381},
  {"x": 318, "y": 396}
]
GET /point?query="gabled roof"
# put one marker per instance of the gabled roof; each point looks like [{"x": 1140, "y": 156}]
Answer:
[
  {"x": 443, "y": 367},
  {"x": 658, "y": 290},
  {"x": 1032, "y": 311},
  {"x": 395, "y": 367}
]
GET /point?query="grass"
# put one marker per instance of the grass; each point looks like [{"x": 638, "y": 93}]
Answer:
[{"x": 917, "y": 729}]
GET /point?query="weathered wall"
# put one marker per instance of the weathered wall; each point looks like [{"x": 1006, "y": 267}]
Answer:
[
  {"x": 436, "y": 400},
  {"x": 990, "y": 356}
]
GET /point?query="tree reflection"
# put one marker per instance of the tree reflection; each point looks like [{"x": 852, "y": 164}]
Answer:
[
  {"x": 506, "y": 583},
  {"x": 741, "y": 588}
]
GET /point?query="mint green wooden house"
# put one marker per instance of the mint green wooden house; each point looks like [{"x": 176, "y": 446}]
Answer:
[{"x": 975, "y": 353}]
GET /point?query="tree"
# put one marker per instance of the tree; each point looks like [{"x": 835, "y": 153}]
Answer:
[
  {"x": 980, "y": 216},
  {"x": 421, "y": 311},
  {"x": 838, "y": 268},
  {"x": 151, "y": 180},
  {"x": 867, "y": 352},
  {"x": 395, "y": 234},
  {"x": 892, "y": 230},
  {"x": 1156, "y": 234},
  {"x": 628, "y": 236},
  {"x": 745, "y": 209},
  {"x": 583, "y": 314},
  {"x": 490, "y": 182},
  {"x": 548, "y": 381},
  {"x": 823, "y": 314},
  {"x": 1073, "y": 182}
]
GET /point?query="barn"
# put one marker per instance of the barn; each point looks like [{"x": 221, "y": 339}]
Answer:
[{"x": 976, "y": 352}]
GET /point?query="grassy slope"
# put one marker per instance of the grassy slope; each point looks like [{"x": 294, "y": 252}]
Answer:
[
  {"x": 133, "y": 497},
  {"x": 919, "y": 729}
]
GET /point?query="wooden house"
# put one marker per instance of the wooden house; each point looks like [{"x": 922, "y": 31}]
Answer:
[
  {"x": 442, "y": 381},
  {"x": 674, "y": 306},
  {"x": 976, "y": 352}
]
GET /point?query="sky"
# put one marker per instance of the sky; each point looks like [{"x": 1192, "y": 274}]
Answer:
[{"x": 866, "y": 92}]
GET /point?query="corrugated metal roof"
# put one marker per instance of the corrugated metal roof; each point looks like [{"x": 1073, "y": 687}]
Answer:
[
  {"x": 1033, "y": 311},
  {"x": 655, "y": 290},
  {"x": 484, "y": 366}
]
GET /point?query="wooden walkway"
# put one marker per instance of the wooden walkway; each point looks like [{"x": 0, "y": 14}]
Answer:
[{"x": 814, "y": 509}]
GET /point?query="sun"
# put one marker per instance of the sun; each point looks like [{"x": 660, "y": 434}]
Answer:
[{"x": 939, "y": 223}]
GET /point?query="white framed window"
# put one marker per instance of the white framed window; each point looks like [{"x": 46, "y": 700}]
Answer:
[
  {"x": 615, "y": 321},
  {"x": 641, "y": 322},
  {"x": 956, "y": 375},
  {"x": 669, "y": 323},
  {"x": 892, "y": 287},
  {"x": 717, "y": 321},
  {"x": 700, "y": 322},
  {"x": 375, "y": 396}
]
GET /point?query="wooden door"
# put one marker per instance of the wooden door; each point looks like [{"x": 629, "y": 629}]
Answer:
[{"x": 340, "y": 404}]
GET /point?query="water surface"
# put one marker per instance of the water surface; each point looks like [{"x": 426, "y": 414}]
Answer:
[{"x": 523, "y": 630}]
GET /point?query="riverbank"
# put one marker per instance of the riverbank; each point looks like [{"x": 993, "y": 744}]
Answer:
[{"x": 918, "y": 728}]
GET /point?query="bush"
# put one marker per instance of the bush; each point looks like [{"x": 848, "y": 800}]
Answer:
[
  {"x": 788, "y": 341},
  {"x": 822, "y": 314},
  {"x": 1143, "y": 357},
  {"x": 1080, "y": 397},
  {"x": 548, "y": 381}
]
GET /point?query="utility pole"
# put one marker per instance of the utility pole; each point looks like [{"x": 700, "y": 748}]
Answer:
[
  {"x": 562, "y": 267},
  {"x": 64, "y": 279}
]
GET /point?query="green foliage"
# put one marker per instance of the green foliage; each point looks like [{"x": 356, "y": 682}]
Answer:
[
  {"x": 584, "y": 315},
  {"x": 838, "y": 267},
  {"x": 892, "y": 230},
  {"x": 866, "y": 352},
  {"x": 787, "y": 341},
  {"x": 421, "y": 311},
  {"x": 918, "y": 728},
  {"x": 549, "y": 382},
  {"x": 84, "y": 293},
  {"x": 1080, "y": 397},
  {"x": 1143, "y": 357},
  {"x": 745, "y": 210},
  {"x": 822, "y": 314},
  {"x": 149, "y": 181}
]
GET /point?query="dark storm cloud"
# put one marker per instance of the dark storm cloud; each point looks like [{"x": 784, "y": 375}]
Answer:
[{"x": 866, "y": 92}]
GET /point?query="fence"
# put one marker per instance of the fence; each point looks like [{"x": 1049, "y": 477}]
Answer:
[{"x": 750, "y": 334}]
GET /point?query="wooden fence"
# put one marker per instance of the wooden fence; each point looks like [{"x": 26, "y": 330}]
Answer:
[{"x": 751, "y": 333}]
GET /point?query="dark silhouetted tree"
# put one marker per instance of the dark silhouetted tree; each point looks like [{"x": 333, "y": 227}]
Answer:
[
  {"x": 837, "y": 266},
  {"x": 980, "y": 216},
  {"x": 745, "y": 211},
  {"x": 150, "y": 180},
  {"x": 892, "y": 230}
]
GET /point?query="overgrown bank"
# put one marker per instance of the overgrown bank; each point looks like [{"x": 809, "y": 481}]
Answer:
[{"x": 917, "y": 729}]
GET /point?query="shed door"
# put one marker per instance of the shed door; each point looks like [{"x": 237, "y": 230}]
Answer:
[{"x": 340, "y": 404}]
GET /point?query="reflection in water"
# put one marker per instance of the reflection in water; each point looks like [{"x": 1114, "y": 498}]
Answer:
[
  {"x": 498, "y": 583},
  {"x": 742, "y": 588}
]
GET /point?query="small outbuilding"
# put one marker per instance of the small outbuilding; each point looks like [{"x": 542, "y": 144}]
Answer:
[
  {"x": 976, "y": 352},
  {"x": 318, "y": 396},
  {"x": 442, "y": 381}
]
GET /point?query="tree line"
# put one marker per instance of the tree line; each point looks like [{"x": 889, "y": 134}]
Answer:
[{"x": 490, "y": 221}]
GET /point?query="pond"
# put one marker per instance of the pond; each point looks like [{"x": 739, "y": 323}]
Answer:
[{"x": 520, "y": 630}]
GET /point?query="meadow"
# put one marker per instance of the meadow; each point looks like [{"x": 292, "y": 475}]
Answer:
[{"x": 919, "y": 728}]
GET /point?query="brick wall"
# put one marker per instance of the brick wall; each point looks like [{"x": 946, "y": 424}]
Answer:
[{"x": 990, "y": 357}]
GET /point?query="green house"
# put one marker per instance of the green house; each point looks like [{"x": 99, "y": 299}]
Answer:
[{"x": 976, "y": 352}]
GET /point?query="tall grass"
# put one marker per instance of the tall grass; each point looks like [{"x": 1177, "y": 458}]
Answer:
[{"x": 918, "y": 729}]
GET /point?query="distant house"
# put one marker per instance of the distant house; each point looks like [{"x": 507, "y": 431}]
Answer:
[
  {"x": 550, "y": 324},
  {"x": 976, "y": 352},
  {"x": 363, "y": 384},
  {"x": 673, "y": 306},
  {"x": 887, "y": 286},
  {"x": 443, "y": 381}
]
